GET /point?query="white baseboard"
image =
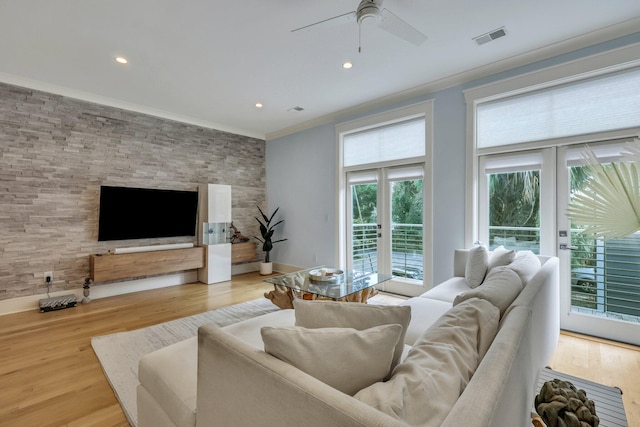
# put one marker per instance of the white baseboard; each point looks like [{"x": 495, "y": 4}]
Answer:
[
  {"x": 16, "y": 305},
  {"x": 31, "y": 302},
  {"x": 247, "y": 267},
  {"x": 285, "y": 268}
]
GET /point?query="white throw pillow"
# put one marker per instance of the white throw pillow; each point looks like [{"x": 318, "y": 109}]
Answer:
[
  {"x": 526, "y": 265},
  {"x": 334, "y": 314},
  {"x": 501, "y": 286},
  {"x": 425, "y": 386},
  {"x": 501, "y": 256},
  {"x": 477, "y": 264},
  {"x": 344, "y": 358}
]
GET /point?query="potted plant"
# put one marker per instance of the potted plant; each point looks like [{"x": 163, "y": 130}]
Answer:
[{"x": 266, "y": 230}]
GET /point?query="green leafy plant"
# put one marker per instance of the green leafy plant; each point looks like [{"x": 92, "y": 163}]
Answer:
[
  {"x": 266, "y": 230},
  {"x": 609, "y": 204}
]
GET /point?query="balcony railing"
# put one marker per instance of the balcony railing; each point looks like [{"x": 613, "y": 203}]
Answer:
[
  {"x": 518, "y": 238},
  {"x": 364, "y": 248},
  {"x": 605, "y": 276},
  {"x": 406, "y": 249}
]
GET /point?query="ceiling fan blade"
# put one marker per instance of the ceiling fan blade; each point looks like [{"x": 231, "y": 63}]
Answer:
[
  {"x": 399, "y": 28},
  {"x": 331, "y": 22}
]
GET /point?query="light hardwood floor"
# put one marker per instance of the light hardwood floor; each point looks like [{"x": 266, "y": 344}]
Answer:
[{"x": 49, "y": 375}]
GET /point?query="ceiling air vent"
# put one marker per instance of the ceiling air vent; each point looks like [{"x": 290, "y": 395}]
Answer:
[
  {"x": 490, "y": 36},
  {"x": 295, "y": 109}
]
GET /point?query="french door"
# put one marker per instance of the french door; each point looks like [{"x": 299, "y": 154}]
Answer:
[
  {"x": 523, "y": 201},
  {"x": 385, "y": 225}
]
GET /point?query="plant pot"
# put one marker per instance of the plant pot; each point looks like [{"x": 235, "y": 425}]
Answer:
[{"x": 266, "y": 268}]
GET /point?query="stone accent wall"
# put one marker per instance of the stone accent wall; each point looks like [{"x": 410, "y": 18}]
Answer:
[{"x": 57, "y": 151}]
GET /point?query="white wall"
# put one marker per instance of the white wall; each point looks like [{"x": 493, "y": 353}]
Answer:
[
  {"x": 302, "y": 182},
  {"x": 301, "y": 175}
]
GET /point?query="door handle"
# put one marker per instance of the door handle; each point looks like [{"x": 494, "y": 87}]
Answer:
[{"x": 567, "y": 247}]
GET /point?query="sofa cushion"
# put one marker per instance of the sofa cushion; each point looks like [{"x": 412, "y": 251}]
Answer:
[
  {"x": 501, "y": 286},
  {"x": 423, "y": 389},
  {"x": 447, "y": 290},
  {"x": 477, "y": 264},
  {"x": 424, "y": 313},
  {"x": 334, "y": 314},
  {"x": 169, "y": 375},
  {"x": 347, "y": 359},
  {"x": 525, "y": 264},
  {"x": 501, "y": 256}
]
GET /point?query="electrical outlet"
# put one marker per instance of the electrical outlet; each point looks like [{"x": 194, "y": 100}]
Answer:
[{"x": 48, "y": 277}]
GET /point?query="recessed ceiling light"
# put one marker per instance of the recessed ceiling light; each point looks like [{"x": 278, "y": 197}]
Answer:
[
  {"x": 121, "y": 60},
  {"x": 347, "y": 65},
  {"x": 258, "y": 105}
]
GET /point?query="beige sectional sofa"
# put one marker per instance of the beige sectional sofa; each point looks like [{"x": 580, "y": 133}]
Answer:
[{"x": 471, "y": 358}]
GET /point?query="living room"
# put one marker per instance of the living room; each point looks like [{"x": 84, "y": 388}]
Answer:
[{"x": 59, "y": 147}]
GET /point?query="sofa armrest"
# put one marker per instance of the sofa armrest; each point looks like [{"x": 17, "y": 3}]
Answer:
[
  {"x": 460, "y": 261},
  {"x": 501, "y": 390},
  {"x": 242, "y": 386}
]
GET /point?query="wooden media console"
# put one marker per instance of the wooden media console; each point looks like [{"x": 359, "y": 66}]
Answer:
[{"x": 124, "y": 266}]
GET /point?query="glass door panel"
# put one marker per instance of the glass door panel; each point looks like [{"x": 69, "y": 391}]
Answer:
[
  {"x": 514, "y": 210},
  {"x": 599, "y": 279},
  {"x": 516, "y": 201},
  {"x": 605, "y": 275},
  {"x": 364, "y": 227},
  {"x": 407, "y": 255}
]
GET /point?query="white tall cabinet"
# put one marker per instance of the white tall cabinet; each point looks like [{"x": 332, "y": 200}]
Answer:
[{"x": 214, "y": 216}]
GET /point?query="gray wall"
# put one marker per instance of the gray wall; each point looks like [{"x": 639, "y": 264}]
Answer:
[
  {"x": 57, "y": 151},
  {"x": 310, "y": 157}
]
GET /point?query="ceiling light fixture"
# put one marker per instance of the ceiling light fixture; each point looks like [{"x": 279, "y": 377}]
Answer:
[
  {"x": 258, "y": 105},
  {"x": 347, "y": 65},
  {"x": 121, "y": 60}
]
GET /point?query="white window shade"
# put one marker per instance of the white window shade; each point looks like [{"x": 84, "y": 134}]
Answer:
[
  {"x": 605, "y": 153},
  {"x": 406, "y": 173},
  {"x": 595, "y": 105},
  {"x": 393, "y": 142},
  {"x": 512, "y": 163},
  {"x": 362, "y": 177}
]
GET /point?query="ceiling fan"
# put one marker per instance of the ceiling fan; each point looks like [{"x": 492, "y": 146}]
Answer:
[{"x": 372, "y": 11}]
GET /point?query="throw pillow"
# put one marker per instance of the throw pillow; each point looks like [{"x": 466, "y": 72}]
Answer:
[
  {"x": 477, "y": 263},
  {"x": 425, "y": 386},
  {"x": 501, "y": 286},
  {"x": 344, "y": 358},
  {"x": 334, "y": 314},
  {"x": 501, "y": 256},
  {"x": 525, "y": 264}
]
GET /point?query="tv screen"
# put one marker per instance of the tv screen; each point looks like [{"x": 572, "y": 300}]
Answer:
[{"x": 139, "y": 213}]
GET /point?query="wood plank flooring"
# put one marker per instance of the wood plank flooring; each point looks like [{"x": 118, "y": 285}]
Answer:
[{"x": 50, "y": 376}]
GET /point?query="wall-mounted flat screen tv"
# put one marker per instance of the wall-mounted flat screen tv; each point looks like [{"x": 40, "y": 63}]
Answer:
[{"x": 140, "y": 213}]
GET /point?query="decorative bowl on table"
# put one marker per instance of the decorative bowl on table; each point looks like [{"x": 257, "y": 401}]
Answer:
[{"x": 325, "y": 274}]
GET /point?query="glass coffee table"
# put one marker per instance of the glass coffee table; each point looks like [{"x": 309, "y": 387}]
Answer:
[{"x": 320, "y": 283}]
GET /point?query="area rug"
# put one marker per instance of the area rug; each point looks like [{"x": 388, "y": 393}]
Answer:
[{"x": 120, "y": 353}]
